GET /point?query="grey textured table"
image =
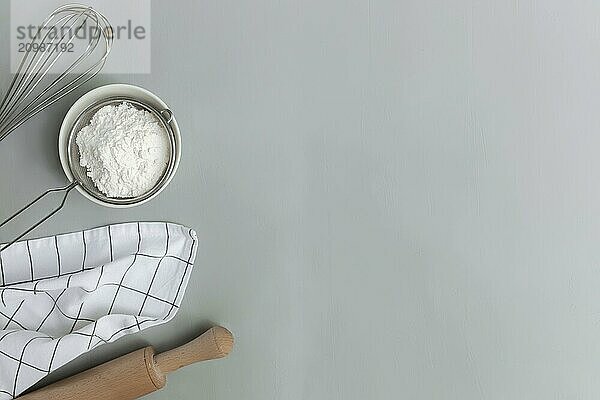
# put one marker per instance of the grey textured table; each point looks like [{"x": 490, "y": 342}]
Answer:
[{"x": 395, "y": 199}]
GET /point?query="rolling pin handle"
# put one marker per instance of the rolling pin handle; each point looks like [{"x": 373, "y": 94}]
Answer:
[{"x": 215, "y": 343}]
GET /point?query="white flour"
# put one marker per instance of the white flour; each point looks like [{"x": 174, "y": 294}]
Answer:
[{"x": 125, "y": 150}]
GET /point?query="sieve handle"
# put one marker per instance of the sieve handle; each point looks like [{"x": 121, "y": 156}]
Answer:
[{"x": 67, "y": 189}]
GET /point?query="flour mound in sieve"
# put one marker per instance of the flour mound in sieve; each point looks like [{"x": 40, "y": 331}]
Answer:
[{"x": 125, "y": 150}]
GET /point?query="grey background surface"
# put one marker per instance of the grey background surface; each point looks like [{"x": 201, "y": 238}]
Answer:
[{"x": 395, "y": 199}]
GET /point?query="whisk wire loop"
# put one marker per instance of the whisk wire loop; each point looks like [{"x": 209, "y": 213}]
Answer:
[{"x": 33, "y": 89}]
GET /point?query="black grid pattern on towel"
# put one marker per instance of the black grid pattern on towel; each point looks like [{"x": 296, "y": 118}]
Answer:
[{"x": 18, "y": 322}]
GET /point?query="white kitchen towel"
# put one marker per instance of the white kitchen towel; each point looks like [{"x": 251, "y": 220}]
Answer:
[{"x": 64, "y": 295}]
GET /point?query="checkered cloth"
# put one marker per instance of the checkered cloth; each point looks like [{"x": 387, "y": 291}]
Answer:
[{"x": 62, "y": 296}]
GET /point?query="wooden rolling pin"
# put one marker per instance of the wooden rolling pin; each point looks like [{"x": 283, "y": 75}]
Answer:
[{"x": 138, "y": 373}]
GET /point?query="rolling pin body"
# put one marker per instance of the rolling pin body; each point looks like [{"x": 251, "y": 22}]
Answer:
[{"x": 138, "y": 373}]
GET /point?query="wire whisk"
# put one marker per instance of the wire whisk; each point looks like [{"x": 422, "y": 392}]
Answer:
[{"x": 35, "y": 85}]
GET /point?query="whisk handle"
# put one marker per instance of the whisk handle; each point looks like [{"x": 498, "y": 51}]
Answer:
[{"x": 66, "y": 189}]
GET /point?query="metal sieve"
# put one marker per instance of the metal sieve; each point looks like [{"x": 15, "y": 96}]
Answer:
[
  {"x": 165, "y": 117},
  {"x": 78, "y": 174}
]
